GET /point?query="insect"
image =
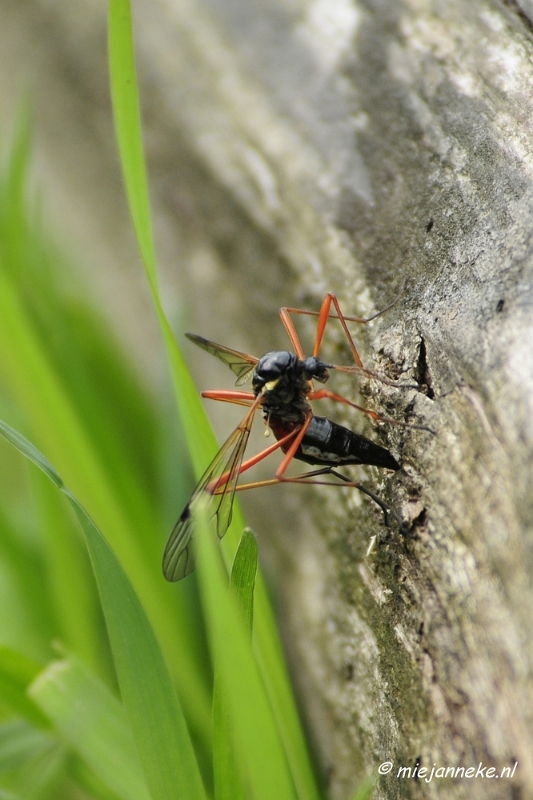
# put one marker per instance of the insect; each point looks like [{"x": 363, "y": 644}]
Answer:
[{"x": 282, "y": 386}]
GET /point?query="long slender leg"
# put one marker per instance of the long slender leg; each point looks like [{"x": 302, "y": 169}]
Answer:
[
  {"x": 296, "y": 435},
  {"x": 296, "y": 478},
  {"x": 305, "y": 479},
  {"x": 360, "y": 320},
  {"x": 291, "y": 330},
  {"x": 323, "y": 316},
  {"x": 280, "y": 476},
  {"x": 354, "y": 370},
  {"x": 384, "y": 507},
  {"x": 333, "y": 299},
  {"x": 322, "y": 394},
  {"x": 230, "y": 396},
  {"x": 289, "y": 455},
  {"x": 217, "y": 487},
  {"x": 347, "y": 482}
]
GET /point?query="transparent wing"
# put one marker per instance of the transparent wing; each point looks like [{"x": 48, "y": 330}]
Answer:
[
  {"x": 240, "y": 363},
  {"x": 216, "y": 489}
]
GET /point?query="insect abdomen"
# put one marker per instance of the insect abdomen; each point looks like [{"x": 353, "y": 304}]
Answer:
[{"x": 327, "y": 443}]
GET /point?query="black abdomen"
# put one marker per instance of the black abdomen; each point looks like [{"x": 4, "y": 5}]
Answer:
[{"x": 328, "y": 444}]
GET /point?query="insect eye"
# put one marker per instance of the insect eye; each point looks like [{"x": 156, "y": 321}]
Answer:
[
  {"x": 264, "y": 375},
  {"x": 273, "y": 365},
  {"x": 268, "y": 377},
  {"x": 316, "y": 369}
]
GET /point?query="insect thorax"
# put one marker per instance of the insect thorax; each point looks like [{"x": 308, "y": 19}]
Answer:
[{"x": 284, "y": 381}]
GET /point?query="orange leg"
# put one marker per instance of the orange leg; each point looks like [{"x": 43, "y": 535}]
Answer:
[
  {"x": 218, "y": 486},
  {"x": 322, "y": 394},
  {"x": 360, "y": 320},
  {"x": 289, "y": 455},
  {"x": 343, "y": 481},
  {"x": 291, "y": 330},
  {"x": 324, "y": 315},
  {"x": 376, "y": 375},
  {"x": 297, "y": 436},
  {"x": 280, "y": 477},
  {"x": 322, "y": 321},
  {"x": 228, "y": 396},
  {"x": 346, "y": 483}
]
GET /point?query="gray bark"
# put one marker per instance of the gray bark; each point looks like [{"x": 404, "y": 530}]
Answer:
[{"x": 375, "y": 149}]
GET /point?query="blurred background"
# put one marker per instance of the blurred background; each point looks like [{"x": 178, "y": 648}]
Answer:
[{"x": 82, "y": 367}]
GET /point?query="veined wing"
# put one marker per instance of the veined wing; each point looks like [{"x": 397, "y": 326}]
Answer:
[
  {"x": 216, "y": 489},
  {"x": 240, "y": 363}
]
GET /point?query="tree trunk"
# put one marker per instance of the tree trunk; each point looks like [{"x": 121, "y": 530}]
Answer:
[{"x": 379, "y": 150}]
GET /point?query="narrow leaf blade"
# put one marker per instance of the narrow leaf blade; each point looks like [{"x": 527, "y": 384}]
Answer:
[
  {"x": 259, "y": 746},
  {"x": 16, "y": 674},
  {"x": 156, "y": 718},
  {"x": 228, "y": 774},
  {"x": 30, "y": 451},
  {"x": 243, "y": 575},
  {"x": 93, "y": 723}
]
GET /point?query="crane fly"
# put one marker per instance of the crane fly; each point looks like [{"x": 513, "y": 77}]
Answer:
[{"x": 282, "y": 386}]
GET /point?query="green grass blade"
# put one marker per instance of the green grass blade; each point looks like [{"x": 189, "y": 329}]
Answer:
[
  {"x": 243, "y": 575},
  {"x": 199, "y": 436},
  {"x": 26, "y": 622},
  {"x": 32, "y": 762},
  {"x": 255, "y": 733},
  {"x": 81, "y": 775},
  {"x": 16, "y": 674},
  {"x": 156, "y": 719},
  {"x": 228, "y": 774},
  {"x": 127, "y": 118},
  {"x": 93, "y": 723},
  {"x": 24, "y": 365},
  {"x": 30, "y": 451},
  {"x": 19, "y": 742},
  {"x": 269, "y": 656},
  {"x": 126, "y": 114},
  {"x": 75, "y": 396},
  {"x": 73, "y": 593}
]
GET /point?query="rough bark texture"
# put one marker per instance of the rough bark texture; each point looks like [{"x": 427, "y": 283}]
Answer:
[{"x": 375, "y": 149}]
